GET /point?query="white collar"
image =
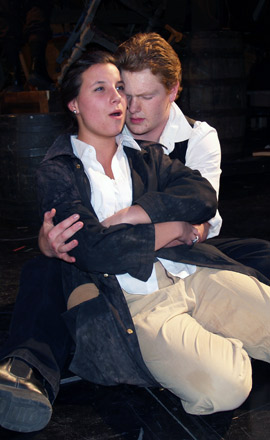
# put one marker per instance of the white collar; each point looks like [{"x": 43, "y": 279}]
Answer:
[
  {"x": 81, "y": 148},
  {"x": 177, "y": 129}
]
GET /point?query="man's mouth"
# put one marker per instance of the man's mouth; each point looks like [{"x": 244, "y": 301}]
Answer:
[{"x": 136, "y": 120}]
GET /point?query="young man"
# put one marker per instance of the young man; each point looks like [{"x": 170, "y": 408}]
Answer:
[{"x": 39, "y": 349}]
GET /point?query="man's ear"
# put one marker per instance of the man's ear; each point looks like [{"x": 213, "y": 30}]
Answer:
[{"x": 174, "y": 91}]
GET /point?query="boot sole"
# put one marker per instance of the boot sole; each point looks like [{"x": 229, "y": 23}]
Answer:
[{"x": 23, "y": 410}]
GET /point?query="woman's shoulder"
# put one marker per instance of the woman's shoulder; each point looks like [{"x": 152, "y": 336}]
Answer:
[{"x": 60, "y": 147}]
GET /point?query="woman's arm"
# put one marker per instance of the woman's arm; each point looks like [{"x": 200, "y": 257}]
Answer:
[
  {"x": 100, "y": 249},
  {"x": 124, "y": 247},
  {"x": 167, "y": 233},
  {"x": 180, "y": 194}
]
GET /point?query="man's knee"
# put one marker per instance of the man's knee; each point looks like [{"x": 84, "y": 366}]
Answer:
[{"x": 231, "y": 391}]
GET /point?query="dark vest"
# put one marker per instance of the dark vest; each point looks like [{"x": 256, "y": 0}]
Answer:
[{"x": 180, "y": 148}]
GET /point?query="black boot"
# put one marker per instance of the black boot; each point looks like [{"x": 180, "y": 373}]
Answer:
[{"x": 24, "y": 403}]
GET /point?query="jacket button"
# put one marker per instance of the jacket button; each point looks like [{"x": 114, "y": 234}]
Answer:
[
  {"x": 106, "y": 275},
  {"x": 78, "y": 166},
  {"x": 129, "y": 331}
]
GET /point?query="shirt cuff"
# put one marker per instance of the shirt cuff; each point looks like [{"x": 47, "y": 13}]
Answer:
[{"x": 215, "y": 226}]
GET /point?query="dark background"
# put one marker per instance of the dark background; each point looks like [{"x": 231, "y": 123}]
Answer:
[{"x": 224, "y": 49}]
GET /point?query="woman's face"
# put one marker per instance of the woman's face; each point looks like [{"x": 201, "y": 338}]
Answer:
[{"x": 101, "y": 104}]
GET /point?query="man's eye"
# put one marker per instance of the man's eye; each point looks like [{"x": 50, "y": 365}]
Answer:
[
  {"x": 147, "y": 97},
  {"x": 121, "y": 88}
]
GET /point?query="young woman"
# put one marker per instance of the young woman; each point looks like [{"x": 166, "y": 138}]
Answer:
[{"x": 139, "y": 308}]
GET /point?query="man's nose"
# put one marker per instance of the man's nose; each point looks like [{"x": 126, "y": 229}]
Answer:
[{"x": 133, "y": 105}]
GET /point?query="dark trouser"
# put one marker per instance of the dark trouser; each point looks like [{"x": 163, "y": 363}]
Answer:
[
  {"x": 251, "y": 252},
  {"x": 38, "y": 333}
]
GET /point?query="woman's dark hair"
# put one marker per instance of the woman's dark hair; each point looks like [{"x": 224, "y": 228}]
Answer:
[{"x": 72, "y": 79}]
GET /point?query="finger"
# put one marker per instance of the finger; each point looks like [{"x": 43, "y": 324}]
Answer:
[
  {"x": 65, "y": 229},
  {"x": 65, "y": 224},
  {"x": 68, "y": 247},
  {"x": 69, "y": 232},
  {"x": 67, "y": 258},
  {"x": 48, "y": 216},
  {"x": 195, "y": 230}
]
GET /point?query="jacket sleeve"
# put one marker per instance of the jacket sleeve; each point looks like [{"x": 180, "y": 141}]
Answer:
[
  {"x": 168, "y": 193},
  {"x": 119, "y": 249},
  {"x": 182, "y": 194}
]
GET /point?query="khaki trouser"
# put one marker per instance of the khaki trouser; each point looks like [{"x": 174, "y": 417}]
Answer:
[{"x": 196, "y": 336}]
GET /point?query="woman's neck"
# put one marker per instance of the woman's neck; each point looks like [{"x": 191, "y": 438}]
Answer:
[{"x": 105, "y": 150}]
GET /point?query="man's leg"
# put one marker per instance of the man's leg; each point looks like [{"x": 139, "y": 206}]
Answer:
[
  {"x": 251, "y": 252},
  {"x": 196, "y": 337}
]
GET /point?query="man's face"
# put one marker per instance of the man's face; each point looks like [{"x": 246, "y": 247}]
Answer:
[{"x": 148, "y": 104}]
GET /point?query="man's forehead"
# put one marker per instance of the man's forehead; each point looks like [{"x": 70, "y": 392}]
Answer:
[{"x": 141, "y": 83}]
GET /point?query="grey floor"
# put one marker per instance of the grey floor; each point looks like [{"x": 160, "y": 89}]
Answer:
[{"x": 85, "y": 411}]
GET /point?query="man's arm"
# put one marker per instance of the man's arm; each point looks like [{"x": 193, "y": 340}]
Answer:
[
  {"x": 52, "y": 239},
  {"x": 204, "y": 154}
]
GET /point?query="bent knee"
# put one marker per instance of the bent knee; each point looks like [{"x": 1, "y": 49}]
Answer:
[
  {"x": 227, "y": 394},
  {"x": 81, "y": 294}
]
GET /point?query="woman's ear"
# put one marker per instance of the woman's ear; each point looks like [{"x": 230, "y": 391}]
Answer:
[
  {"x": 72, "y": 106},
  {"x": 174, "y": 91}
]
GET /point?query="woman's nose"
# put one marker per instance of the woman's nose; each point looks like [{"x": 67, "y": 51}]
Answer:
[{"x": 116, "y": 96}]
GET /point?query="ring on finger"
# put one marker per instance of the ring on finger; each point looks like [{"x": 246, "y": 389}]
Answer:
[{"x": 195, "y": 239}]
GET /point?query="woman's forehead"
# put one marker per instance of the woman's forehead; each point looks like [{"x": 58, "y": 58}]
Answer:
[{"x": 99, "y": 71}]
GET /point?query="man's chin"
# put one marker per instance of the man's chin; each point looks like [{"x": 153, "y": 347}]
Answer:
[{"x": 136, "y": 130}]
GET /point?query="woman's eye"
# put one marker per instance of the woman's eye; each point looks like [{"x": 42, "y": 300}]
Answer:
[{"x": 98, "y": 89}]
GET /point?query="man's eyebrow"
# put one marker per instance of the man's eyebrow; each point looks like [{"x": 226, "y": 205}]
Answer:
[{"x": 141, "y": 94}]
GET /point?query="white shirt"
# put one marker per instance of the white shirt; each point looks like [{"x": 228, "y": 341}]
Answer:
[
  {"x": 108, "y": 196},
  {"x": 203, "y": 152}
]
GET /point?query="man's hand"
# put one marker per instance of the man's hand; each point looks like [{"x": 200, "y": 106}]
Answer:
[
  {"x": 187, "y": 234},
  {"x": 202, "y": 231},
  {"x": 52, "y": 239}
]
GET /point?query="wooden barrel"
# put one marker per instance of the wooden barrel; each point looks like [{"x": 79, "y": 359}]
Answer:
[
  {"x": 25, "y": 138},
  {"x": 214, "y": 85}
]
